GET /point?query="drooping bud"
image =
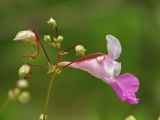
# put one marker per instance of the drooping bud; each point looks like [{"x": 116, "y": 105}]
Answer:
[
  {"x": 59, "y": 39},
  {"x": 52, "y": 22},
  {"x": 24, "y": 71},
  {"x": 22, "y": 84},
  {"x": 28, "y": 36},
  {"x": 13, "y": 94},
  {"x": 24, "y": 97},
  {"x": 80, "y": 50},
  {"x": 47, "y": 38},
  {"x": 130, "y": 117}
]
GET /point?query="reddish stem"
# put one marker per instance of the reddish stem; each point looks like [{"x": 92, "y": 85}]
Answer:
[
  {"x": 38, "y": 40},
  {"x": 85, "y": 57}
]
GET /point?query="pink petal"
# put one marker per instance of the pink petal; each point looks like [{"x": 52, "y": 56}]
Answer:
[
  {"x": 113, "y": 47},
  {"x": 101, "y": 67},
  {"x": 126, "y": 86}
]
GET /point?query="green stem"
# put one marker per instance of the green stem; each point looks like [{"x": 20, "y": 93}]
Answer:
[
  {"x": 4, "y": 105},
  {"x": 48, "y": 97}
]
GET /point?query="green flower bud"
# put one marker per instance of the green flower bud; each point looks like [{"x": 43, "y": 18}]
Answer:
[
  {"x": 159, "y": 117},
  {"x": 47, "y": 38},
  {"x": 22, "y": 83},
  {"x": 13, "y": 94},
  {"x": 80, "y": 50},
  {"x": 24, "y": 97},
  {"x": 130, "y": 117},
  {"x": 24, "y": 71},
  {"x": 52, "y": 22},
  {"x": 59, "y": 39}
]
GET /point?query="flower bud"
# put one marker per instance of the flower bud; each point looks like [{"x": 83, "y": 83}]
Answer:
[
  {"x": 131, "y": 117},
  {"x": 43, "y": 117},
  {"x": 159, "y": 117},
  {"x": 24, "y": 97},
  {"x": 59, "y": 39},
  {"x": 24, "y": 71},
  {"x": 29, "y": 36},
  {"x": 52, "y": 22},
  {"x": 80, "y": 50},
  {"x": 22, "y": 83},
  {"x": 13, "y": 94},
  {"x": 47, "y": 38},
  {"x": 26, "y": 36}
]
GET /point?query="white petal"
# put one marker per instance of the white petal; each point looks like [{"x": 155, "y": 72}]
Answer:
[
  {"x": 113, "y": 47},
  {"x": 26, "y": 36}
]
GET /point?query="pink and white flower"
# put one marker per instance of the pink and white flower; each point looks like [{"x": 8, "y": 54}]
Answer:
[{"x": 106, "y": 68}]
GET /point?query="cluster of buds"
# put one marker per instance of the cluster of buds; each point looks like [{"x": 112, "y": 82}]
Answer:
[
  {"x": 19, "y": 92},
  {"x": 56, "y": 41}
]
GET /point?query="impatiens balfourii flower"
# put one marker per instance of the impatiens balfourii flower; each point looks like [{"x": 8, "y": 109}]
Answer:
[
  {"x": 29, "y": 36},
  {"x": 106, "y": 67}
]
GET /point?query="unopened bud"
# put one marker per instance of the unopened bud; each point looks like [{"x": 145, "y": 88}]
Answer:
[
  {"x": 24, "y": 71},
  {"x": 52, "y": 22},
  {"x": 131, "y": 117},
  {"x": 43, "y": 117},
  {"x": 22, "y": 83},
  {"x": 47, "y": 38},
  {"x": 26, "y": 36},
  {"x": 80, "y": 50},
  {"x": 159, "y": 117},
  {"x": 59, "y": 39},
  {"x": 24, "y": 97},
  {"x": 13, "y": 94}
]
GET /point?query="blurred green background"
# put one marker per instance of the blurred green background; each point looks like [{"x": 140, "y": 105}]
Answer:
[{"x": 78, "y": 95}]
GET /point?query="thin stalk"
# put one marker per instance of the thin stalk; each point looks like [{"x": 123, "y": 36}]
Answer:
[
  {"x": 49, "y": 91},
  {"x": 57, "y": 33},
  {"x": 89, "y": 56},
  {"x": 71, "y": 48},
  {"x": 58, "y": 49},
  {"x": 4, "y": 105},
  {"x": 41, "y": 66},
  {"x": 48, "y": 59}
]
